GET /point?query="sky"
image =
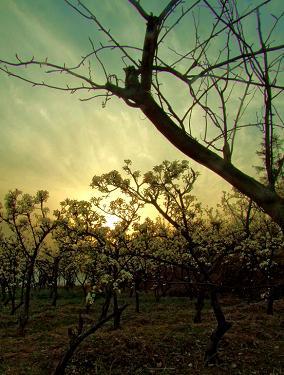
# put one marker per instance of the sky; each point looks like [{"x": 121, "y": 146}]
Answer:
[{"x": 50, "y": 139}]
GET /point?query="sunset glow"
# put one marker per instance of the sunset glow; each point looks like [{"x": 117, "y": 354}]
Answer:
[{"x": 111, "y": 221}]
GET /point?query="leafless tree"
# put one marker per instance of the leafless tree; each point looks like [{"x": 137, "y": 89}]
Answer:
[{"x": 220, "y": 80}]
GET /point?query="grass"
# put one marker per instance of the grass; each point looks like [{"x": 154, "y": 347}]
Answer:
[{"x": 161, "y": 339}]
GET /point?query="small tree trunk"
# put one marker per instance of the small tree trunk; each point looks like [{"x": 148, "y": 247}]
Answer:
[
  {"x": 157, "y": 293},
  {"x": 116, "y": 313},
  {"x": 12, "y": 296},
  {"x": 69, "y": 282},
  {"x": 16, "y": 307},
  {"x": 3, "y": 292},
  {"x": 24, "y": 315},
  {"x": 131, "y": 292},
  {"x": 270, "y": 301},
  {"x": 199, "y": 306},
  {"x": 60, "y": 369},
  {"x": 137, "y": 293},
  {"x": 106, "y": 304},
  {"x": 6, "y": 301},
  {"x": 84, "y": 289},
  {"x": 211, "y": 355},
  {"x": 137, "y": 301},
  {"x": 22, "y": 292},
  {"x": 54, "y": 294},
  {"x": 54, "y": 282}
]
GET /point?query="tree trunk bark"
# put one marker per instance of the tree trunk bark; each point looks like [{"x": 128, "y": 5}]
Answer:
[
  {"x": 266, "y": 198},
  {"x": 211, "y": 353}
]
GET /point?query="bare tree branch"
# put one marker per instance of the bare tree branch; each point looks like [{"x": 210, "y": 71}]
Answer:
[{"x": 139, "y": 8}]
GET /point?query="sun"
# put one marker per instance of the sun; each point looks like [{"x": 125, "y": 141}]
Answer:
[{"x": 111, "y": 221}]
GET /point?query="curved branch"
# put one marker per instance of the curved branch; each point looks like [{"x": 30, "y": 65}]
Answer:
[
  {"x": 139, "y": 8},
  {"x": 269, "y": 200},
  {"x": 169, "y": 9},
  {"x": 57, "y": 68},
  {"x": 91, "y": 16},
  {"x": 190, "y": 79},
  {"x": 60, "y": 369}
]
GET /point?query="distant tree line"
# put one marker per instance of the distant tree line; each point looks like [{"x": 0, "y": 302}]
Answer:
[{"x": 187, "y": 249}]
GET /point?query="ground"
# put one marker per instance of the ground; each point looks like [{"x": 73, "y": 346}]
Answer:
[{"x": 161, "y": 339}]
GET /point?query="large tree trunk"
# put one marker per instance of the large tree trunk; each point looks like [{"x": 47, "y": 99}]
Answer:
[{"x": 266, "y": 198}]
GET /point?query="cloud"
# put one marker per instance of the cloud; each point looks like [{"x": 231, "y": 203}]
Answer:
[{"x": 39, "y": 32}]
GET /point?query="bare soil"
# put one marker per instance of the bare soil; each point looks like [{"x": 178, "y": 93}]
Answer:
[{"x": 161, "y": 339}]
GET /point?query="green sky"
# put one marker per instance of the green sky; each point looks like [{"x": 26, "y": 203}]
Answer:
[{"x": 51, "y": 140}]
